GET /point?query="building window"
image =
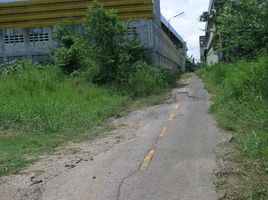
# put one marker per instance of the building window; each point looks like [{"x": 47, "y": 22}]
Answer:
[
  {"x": 12, "y": 39},
  {"x": 41, "y": 37},
  {"x": 132, "y": 31}
]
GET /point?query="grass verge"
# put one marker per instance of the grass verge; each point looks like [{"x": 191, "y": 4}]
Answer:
[{"x": 240, "y": 96}]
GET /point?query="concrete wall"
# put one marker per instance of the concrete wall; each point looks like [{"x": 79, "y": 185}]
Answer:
[
  {"x": 26, "y": 42},
  {"x": 160, "y": 48},
  {"x": 36, "y": 42},
  {"x": 167, "y": 55},
  {"x": 212, "y": 57}
]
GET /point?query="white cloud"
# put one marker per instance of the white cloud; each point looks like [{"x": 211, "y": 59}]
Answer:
[{"x": 187, "y": 25}]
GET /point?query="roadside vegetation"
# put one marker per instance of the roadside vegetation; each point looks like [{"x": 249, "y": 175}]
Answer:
[
  {"x": 241, "y": 28},
  {"x": 239, "y": 88},
  {"x": 99, "y": 73},
  {"x": 240, "y": 96}
]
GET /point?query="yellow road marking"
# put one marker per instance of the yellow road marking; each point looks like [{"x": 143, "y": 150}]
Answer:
[
  {"x": 147, "y": 160},
  {"x": 171, "y": 116},
  {"x": 177, "y": 106},
  {"x": 163, "y": 132}
]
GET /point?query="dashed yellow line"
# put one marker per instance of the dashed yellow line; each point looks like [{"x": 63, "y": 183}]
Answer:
[
  {"x": 163, "y": 131},
  {"x": 177, "y": 106},
  {"x": 171, "y": 116},
  {"x": 147, "y": 160}
]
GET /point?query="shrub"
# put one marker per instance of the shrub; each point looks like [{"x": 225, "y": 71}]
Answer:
[
  {"x": 14, "y": 66},
  {"x": 110, "y": 46},
  {"x": 103, "y": 51},
  {"x": 146, "y": 80}
]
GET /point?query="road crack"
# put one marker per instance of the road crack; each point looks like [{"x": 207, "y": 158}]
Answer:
[
  {"x": 122, "y": 182},
  {"x": 133, "y": 173}
]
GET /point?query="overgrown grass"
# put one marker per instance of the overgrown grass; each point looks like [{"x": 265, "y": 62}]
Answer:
[
  {"x": 240, "y": 95},
  {"x": 40, "y": 109}
]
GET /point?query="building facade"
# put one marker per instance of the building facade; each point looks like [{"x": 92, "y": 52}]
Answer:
[
  {"x": 207, "y": 53},
  {"x": 26, "y": 28}
]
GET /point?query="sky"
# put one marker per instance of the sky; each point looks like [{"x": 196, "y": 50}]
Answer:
[{"x": 186, "y": 25}]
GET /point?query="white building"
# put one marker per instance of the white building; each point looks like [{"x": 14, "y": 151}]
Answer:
[{"x": 208, "y": 54}]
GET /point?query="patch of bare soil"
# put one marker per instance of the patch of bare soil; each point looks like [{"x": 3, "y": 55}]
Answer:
[
  {"x": 29, "y": 183},
  {"x": 226, "y": 171},
  {"x": 236, "y": 177}
]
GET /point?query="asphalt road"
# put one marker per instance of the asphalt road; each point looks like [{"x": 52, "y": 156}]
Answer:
[{"x": 170, "y": 159}]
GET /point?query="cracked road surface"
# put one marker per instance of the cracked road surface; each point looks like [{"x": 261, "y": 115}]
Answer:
[{"x": 170, "y": 158}]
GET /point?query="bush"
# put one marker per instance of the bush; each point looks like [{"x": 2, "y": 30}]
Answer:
[
  {"x": 240, "y": 101},
  {"x": 70, "y": 59},
  {"x": 145, "y": 80},
  {"x": 104, "y": 54},
  {"x": 103, "y": 48}
]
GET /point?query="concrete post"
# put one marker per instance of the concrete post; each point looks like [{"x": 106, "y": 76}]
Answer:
[{"x": 2, "y": 46}]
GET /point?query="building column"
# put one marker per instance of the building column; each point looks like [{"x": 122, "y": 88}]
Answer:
[{"x": 2, "y": 45}]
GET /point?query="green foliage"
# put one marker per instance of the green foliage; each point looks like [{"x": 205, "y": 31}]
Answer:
[
  {"x": 103, "y": 51},
  {"x": 14, "y": 66},
  {"x": 70, "y": 58},
  {"x": 241, "y": 105},
  {"x": 189, "y": 65},
  {"x": 241, "y": 27},
  {"x": 41, "y": 108},
  {"x": 206, "y": 16},
  {"x": 145, "y": 80}
]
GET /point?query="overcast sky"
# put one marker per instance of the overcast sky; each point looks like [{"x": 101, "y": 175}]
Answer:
[{"x": 186, "y": 25}]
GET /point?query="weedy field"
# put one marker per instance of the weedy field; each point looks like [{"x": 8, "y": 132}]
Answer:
[
  {"x": 42, "y": 108},
  {"x": 240, "y": 96}
]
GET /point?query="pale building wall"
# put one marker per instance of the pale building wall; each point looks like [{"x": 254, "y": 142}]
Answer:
[
  {"x": 212, "y": 57},
  {"x": 36, "y": 42},
  {"x": 26, "y": 42}
]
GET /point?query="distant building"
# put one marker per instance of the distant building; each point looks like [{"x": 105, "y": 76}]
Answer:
[
  {"x": 26, "y": 28},
  {"x": 208, "y": 54}
]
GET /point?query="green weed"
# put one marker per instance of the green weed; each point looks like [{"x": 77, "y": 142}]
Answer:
[
  {"x": 241, "y": 105},
  {"x": 40, "y": 109}
]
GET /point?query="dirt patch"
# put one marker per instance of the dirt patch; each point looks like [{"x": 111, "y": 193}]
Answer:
[
  {"x": 225, "y": 171},
  {"x": 233, "y": 179}
]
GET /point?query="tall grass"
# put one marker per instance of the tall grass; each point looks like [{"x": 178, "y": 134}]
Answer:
[
  {"x": 241, "y": 105},
  {"x": 40, "y": 108}
]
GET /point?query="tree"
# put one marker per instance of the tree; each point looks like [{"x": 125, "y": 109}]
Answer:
[
  {"x": 241, "y": 27},
  {"x": 102, "y": 50},
  {"x": 110, "y": 47}
]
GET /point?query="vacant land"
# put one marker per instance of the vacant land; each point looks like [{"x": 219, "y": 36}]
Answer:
[{"x": 41, "y": 108}]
